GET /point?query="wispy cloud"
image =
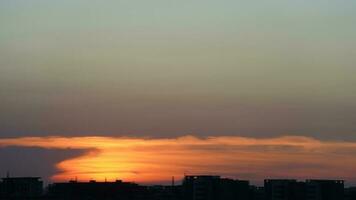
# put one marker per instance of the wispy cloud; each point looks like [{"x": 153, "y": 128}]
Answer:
[{"x": 155, "y": 160}]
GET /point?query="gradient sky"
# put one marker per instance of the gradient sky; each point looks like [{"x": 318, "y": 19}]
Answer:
[{"x": 165, "y": 69}]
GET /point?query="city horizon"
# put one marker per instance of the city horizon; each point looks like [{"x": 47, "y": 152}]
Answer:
[
  {"x": 134, "y": 159},
  {"x": 192, "y": 187},
  {"x": 173, "y": 181}
]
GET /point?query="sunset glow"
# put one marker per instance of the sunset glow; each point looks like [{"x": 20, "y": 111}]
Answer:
[{"x": 156, "y": 160}]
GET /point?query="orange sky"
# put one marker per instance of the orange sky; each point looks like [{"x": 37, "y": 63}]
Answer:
[{"x": 147, "y": 160}]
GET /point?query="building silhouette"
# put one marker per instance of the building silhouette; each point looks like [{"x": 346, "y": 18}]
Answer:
[
  {"x": 117, "y": 190},
  {"x": 256, "y": 193},
  {"x": 21, "y": 188},
  {"x": 279, "y": 189},
  {"x": 159, "y": 192},
  {"x": 214, "y": 188},
  {"x": 201, "y": 187},
  {"x": 325, "y": 189},
  {"x": 350, "y": 193},
  {"x": 284, "y": 189},
  {"x": 234, "y": 189}
]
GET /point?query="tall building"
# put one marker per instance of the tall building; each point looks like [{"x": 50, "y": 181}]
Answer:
[
  {"x": 325, "y": 189},
  {"x": 284, "y": 189},
  {"x": 21, "y": 188}
]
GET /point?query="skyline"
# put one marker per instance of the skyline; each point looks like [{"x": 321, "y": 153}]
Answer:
[{"x": 124, "y": 88}]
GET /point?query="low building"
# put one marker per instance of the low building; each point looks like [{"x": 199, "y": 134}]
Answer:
[
  {"x": 256, "y": 193},
  {"x": 284, "y": 189},
  {"x": 21, "y": 188},
  {"x": 97, "y": 190},
  {"x": 230, "y": 189},
  {"x": 160, "y": 192}
]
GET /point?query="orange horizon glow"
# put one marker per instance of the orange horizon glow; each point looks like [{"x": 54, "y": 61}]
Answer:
[{"x": 146, "y": 160}]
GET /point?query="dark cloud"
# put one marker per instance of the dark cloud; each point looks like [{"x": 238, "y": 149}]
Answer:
[{"x": 33, "y": 161}]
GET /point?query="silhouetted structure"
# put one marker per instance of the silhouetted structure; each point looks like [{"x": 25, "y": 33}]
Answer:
[
  {"x": 214, "y": 188},
  {"x": 325, "y": 189},
  {"x": 21, "y": 188},
  {"x": 160, "y": 192},
  {"x": 284, "y": 189},
  {"x": 201, "y": 187},
  {"x": 350, "y": 193},
  {"x": 234, "y": 189},
  {"x": 309, "y": 190},
  {"x": 193, "y": 188},
  {"x": 97, "y": 190},
  {"x": 256, "y": 193}
]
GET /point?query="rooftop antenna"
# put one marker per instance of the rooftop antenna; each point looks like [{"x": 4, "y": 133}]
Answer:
[
  {"x": 8, "y": 174},
  {"x": 172, "y": 181}
]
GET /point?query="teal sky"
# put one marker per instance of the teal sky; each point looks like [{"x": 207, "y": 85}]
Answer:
[{"x": 163, "y": 68}]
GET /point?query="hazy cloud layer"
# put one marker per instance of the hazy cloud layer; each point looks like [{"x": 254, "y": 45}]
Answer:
[{"x": 156, "y": 160}]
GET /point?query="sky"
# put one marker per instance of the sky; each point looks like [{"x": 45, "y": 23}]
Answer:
[{"x": 163, "y": 70}]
